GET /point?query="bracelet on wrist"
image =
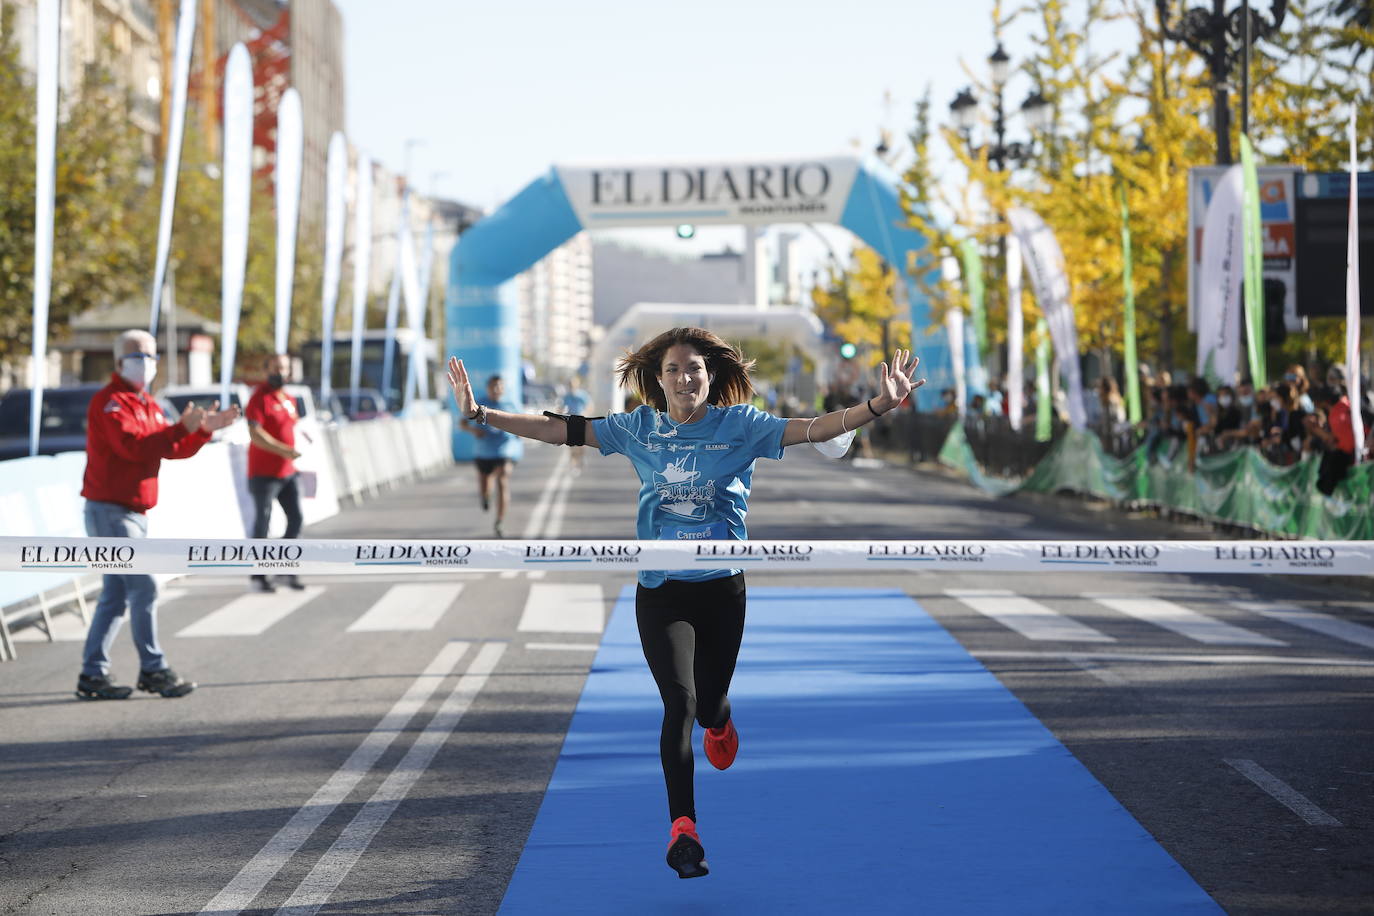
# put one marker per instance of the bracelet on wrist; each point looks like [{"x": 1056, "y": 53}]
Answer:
[{"x": 870, "y": 408}]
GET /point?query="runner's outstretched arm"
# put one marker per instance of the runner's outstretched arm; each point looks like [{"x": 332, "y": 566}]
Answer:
[
  {"x": 527, "y": 426},
  {"x": 893, "y": 387}
]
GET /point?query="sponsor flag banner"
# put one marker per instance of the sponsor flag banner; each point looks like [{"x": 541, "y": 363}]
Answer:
[
  {"x": 290, "y": 158},
  {"x": 1254, "y": 265},
  {"x": 1044, "y": 418},
  {"x": 171, "y": 166},
  {"x": 215, "y": 557},
  {"x": 1128, "y": 344},
  {"x": 1220, "y": 279},
  {"x": 1015, "y": 333},
  {"x": 1044, "y": 259},
  {"x": 1352, "y": 300},
  {"x": 45, "y": 184},
  {"x": 954, "y": 327},
  {"x": 973, "y": 282},
  {"x": 758, "y": 192},
  {"x": 238, "y": 177},
  {"x": 415, "y": 314},
  {"x": 362, "y": 264},
  {"x": 336, "y": 168},
  {"x": 393, "y": 303}
]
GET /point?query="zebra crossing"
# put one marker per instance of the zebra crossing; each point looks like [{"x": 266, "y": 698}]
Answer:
[
  {"x": 580, "y": 609},
  {"x": 1036, "y": 621}
]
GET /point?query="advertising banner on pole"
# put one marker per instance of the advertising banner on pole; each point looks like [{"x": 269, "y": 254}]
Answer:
[
  {"x": 336, "y": 173},
  {"x": 1278, "y": 228},
  {"x": 1044, "y": 418},
  {"x": 1352, "y": 299},
  {"x": 171, "y": 166},
  {"x": 973, "y": 282},
  {"x": 1015, "y": 333},
  {"x": 45, "y": 184},
  {"x": 238, "y": 177},
  {"x": 954, "y": 326},
  {"x": 1220, "y": 277},
  {"x": 290, "y": 154},
  {"x": 1044, "y": 259},
  {"x": 362, "y": 264},
  {"x": 393, "y": 306},
  {"x": 1128, "y": 344},
  {"x": 1254, "y": 265}
]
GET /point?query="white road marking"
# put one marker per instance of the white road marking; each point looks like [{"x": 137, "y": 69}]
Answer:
[
  {"x": 1105, "y": 675},
  {"x": 254, "y": 876},
  {"x": 1283, "y": 793},
  {"x": 1029, "y": 618},
  {"x": 1166, "y": 658},
  {"x": 863, "y": 484},
  {"x": 335, "y": 864},
  {"x": 249, "y": 615},
  {"x": 527, "y": 573},
  {"x": 1315, "y": 621},
  {"x": 541, "y": 508},
  {"x": 408, "y": 607},
  {"x": 563, "y": 646},
  {"x": 1184, "y": 621},
  {"x": 564, "y": 608},
  {"x": 554, "y": 527}
]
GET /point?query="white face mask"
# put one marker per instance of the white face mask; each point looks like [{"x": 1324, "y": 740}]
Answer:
[
  {"x": 1246, "y": 400},
  {"x": 1276, "y": 405},
  {"x": 138, "y": 371},
  {"x": 1224, "y": 400}
]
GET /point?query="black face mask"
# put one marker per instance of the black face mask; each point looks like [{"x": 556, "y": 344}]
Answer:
[{"x": 275, "y": 380}]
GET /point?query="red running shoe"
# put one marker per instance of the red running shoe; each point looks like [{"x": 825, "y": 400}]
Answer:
[
  {"x": 721, "y": 745},
  {"x": 685, "y": 855}
]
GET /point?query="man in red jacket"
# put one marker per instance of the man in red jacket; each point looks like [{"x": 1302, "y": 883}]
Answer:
[
  {"x": 127, "y": 437},
  {"x": 271, "y": 415}
]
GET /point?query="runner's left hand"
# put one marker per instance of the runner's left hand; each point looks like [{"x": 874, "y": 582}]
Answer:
[
  {"x": 462, "y": 388},
  {"x": 894, "y": 386}
]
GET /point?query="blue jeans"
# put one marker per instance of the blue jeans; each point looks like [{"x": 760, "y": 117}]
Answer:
[{"x": 135, "y": 594}]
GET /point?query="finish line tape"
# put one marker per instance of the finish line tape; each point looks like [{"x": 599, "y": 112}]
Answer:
[{"x": 210, "y": 557}]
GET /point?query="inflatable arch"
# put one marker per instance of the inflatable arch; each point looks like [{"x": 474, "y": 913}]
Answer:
[{"x": 483, "y": 320}]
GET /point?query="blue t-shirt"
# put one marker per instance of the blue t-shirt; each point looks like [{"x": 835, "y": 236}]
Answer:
[
  {"x": 576, "y": 403},
  {"x": 694, "y": 481},
  {"x": 497, "y": 443}
]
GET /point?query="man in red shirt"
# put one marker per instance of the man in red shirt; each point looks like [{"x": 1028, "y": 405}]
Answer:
[
  {"x": 271, "y": 415},
  {"x": 127, "y": 438}
]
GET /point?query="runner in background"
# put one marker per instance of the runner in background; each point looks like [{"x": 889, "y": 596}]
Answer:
[
  {"x": 496, "y": 453},
  {"x": 576, "y": 403},
  {"x": 693, "y": 444}
]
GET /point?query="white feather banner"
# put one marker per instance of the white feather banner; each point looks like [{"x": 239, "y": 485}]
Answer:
[
  {"x": 238, "y": 189},
  {"x": 290, "y": 159},
  {"x": 336, "y": 174},
  {"x": 181, "y": 70}
]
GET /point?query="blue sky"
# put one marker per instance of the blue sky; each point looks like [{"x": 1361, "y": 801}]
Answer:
[{"x": 496, "y": 92}]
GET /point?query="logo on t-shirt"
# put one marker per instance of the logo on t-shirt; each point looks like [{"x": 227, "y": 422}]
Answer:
[{"x": 678, "y": 490}]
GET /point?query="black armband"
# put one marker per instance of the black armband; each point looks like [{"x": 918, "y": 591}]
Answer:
[{"x": 577, "y": 426}]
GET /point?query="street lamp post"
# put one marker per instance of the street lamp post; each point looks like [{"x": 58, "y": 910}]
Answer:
[
  {"x": 1036, "y": 110},
  {"x": 1222, "y": 40}
]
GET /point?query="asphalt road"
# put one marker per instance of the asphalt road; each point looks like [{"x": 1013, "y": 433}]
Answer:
[{"x": 332, "y": 759}]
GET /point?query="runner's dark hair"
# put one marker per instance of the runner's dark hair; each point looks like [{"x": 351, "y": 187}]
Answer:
[{"x": 638, "y": 371}]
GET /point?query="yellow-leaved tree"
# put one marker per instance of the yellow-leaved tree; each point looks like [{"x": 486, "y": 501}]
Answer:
[{"x": 859, "y": 305}]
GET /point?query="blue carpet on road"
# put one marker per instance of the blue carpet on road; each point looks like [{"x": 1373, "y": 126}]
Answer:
[{"x": 882, "y": 770}]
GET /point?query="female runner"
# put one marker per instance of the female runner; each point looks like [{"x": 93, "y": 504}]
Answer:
[{"x": 693, "y": 444}]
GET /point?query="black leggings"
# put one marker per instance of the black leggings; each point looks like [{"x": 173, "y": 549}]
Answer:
[{"x": 691, "y": 633}]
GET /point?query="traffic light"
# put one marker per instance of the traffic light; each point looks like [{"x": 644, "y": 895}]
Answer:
[
  {"x": 686, "y": 231},
  {"x": 1275, "y": 291},
  {"x": 847, "y": 350}
]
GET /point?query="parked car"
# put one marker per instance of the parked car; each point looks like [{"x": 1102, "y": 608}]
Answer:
[
  {"x": 206, "y": 396},
  {"x": 361, "y": 403},
  {"x": 62, "y": 428}
]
